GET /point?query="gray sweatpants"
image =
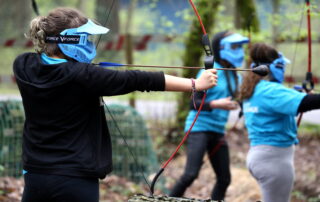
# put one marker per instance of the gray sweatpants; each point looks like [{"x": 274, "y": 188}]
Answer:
[{"x": 273, "y": 169}]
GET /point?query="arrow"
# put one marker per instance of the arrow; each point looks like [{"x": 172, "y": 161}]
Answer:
[{"x": 261, "y": 70}]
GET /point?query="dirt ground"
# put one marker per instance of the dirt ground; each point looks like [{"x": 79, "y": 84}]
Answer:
[{"x": 242, "y": 189}]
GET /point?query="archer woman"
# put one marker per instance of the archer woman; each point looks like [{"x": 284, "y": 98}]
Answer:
[
  {"x": 269, "y": 110},
  {"x": 66, "y": 143},
  {"x": 207, "y": 134}
]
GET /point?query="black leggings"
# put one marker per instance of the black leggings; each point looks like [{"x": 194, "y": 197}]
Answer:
[
  {"x": 56, "y": 188},
  {"x": 198, "y": 144}
]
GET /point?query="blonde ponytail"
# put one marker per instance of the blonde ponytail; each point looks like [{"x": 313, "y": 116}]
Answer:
[
  {"x": 37, "y": 34},
  {"x": 57, "y": 20}
]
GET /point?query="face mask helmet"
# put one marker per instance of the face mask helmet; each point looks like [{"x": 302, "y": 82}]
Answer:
[
  {"x": 76, "y": 43},
  {"x": 231, "y": 49},
  {"x": 277, "y": 68}
]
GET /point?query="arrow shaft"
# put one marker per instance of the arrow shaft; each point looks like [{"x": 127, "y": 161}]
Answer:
[
  {"x": 179, "y": 67},
  {"x": 160, "y": 66}
]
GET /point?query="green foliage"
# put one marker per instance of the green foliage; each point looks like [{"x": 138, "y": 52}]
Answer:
[
  {"x": 298, "y": 195},
  {"x": 119, "y": 189},
  {"x": 246, "y": 15},
  {"x": 166, "y": 137},
  {"x": 309, "y": 130},
  {"x": 224, "y": 21},
  {"x": 298, "y": 54},
  {"x": 194, "y": 50},
  {"x": 45, "y": 6},
  {"x": 155, "y": 22},
  {"x": 291, "y": 20},
  {"x": 8, "y": 55}
]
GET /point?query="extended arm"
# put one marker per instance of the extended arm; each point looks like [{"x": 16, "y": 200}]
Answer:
[
  {"x": 207, "y": 80},
  {"x": 309, "y": 102},
  {"x": 107, "y": 82}
]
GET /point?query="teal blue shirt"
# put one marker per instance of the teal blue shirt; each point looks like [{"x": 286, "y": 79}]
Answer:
[
  {"x": 214, "y": 120},
  {"x": 48, "y": 60},
  {"x": 270, "y": 114}
]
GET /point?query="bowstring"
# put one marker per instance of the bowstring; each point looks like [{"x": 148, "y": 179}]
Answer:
[
  {"x": 296, "y": 44},
  {"x": 113, "y": 119}
]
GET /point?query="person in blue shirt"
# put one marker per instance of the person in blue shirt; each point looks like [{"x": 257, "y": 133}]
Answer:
[
  {"x": 269, "y": 110},
  {"x": 207, "y": 135}
]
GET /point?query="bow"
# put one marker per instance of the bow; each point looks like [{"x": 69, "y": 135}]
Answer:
[
  {"x": 308, "y": 83},
  {"x": 208, "y": 63}
]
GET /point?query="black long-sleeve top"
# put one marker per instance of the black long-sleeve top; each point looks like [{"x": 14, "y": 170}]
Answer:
[
  {"x": 309, "y": 102},
  {"x": 65, "y": 130}
]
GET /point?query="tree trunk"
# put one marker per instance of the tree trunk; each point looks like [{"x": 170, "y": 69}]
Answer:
[
  {"x": 104, "y": 12},
  {"x": 19, "y": 13},
  {"x": 275, "y": 20},
  {"x": 129, "y": 45},
  {"x": 194, "y": 50},
  {"x": 81, "y": 5},
  {"x": 246, "y": 16}
]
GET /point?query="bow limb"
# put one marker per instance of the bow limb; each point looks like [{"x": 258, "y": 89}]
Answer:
[
  {"x": 208, "y": 63},
  {"x": 308, "y": 83}
]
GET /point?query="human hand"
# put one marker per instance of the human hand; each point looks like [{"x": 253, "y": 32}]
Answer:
[
  {"x": 207, "y": 80},
  {"x": 224, "y": 103}
]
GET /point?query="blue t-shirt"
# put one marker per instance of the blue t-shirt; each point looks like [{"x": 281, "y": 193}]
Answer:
[
  {"x": 214, "y": 120},
  {"x": 48, "y": 60},
  {"x": 270, "y": 114}
]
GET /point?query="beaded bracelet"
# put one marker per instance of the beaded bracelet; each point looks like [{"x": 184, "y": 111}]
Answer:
[{"x": 193, "y": 86}]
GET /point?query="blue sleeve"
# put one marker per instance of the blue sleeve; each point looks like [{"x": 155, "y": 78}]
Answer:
[
  {"x": 240, "y": 79},
  {"x": 283, "y": 100}
]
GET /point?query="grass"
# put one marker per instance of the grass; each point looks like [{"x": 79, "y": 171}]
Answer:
[{"x": 309, "y": 130}]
